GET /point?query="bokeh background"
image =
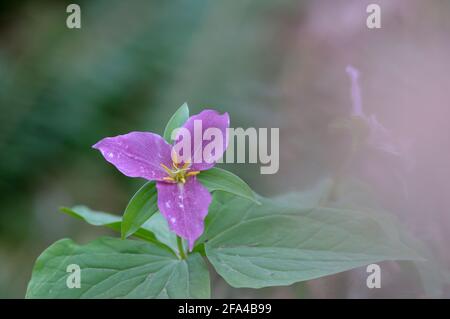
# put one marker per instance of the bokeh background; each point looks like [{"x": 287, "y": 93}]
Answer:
[{"x": 267, "y": 63}]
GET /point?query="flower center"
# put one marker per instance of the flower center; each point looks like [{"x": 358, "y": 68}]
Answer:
[{"x": 178, "y": 174}]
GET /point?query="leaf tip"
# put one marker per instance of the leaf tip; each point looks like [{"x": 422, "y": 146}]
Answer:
[{"x": 65, "y": 210}]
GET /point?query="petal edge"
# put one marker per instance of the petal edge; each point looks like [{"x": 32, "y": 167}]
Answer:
[{"x": 137, "y": 154}]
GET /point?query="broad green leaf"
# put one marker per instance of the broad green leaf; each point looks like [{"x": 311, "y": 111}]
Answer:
[
  {"x": 97, "y": 218},
  {"x": 140, "y": 208},
  {"x": 217, "y": 179},
  {"x": 159, "y": 227},
  {"x": 280, "y": 243},
  {"x": 114, "y": 268},
  {"x": 176, "y": 121},
  {"x": 155, "y": 229},
  {"x": 92, "y": 217},
  {"x": 310, "y": 198}
]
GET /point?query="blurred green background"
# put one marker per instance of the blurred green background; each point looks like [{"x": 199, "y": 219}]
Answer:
[{"x": 267, "y": 63}]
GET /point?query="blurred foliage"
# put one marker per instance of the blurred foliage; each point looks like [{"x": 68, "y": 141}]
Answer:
[{"x": 128, "y": 68}]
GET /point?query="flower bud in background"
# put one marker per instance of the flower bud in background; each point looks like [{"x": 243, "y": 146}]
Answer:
[
  {"x": 376, "y": 156},
  {"x": 375, "y": 134}
]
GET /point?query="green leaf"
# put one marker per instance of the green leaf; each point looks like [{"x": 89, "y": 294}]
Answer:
[
  {"x": 311, "y": 198},
  {"x": 93, "y": 217},
  {"x": 217, "y": 179},
  {"x": 280, "y": 242},
  {"x": 140, "y": 208},
  {"x": 97, "y": 218},
  {"x": 159, "y": 227},
  {"x": 154, "y": 230},
  {"x": 114, "y": 268},
  {"x": 177, "y": 120}
]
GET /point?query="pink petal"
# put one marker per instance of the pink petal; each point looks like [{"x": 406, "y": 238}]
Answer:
[
  {"x": 137, "y": 154},
  {"x": 185, "y": 207},
  {"x": 208, "y": 119},
  {"x": 355, "y": 91}
]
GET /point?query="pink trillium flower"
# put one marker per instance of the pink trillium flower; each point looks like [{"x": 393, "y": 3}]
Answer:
[{"x": 182, "y": 199}]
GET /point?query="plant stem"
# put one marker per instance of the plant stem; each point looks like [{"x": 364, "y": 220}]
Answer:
[
  {"x": 339, "y": 174},
  {"x": 180, "y": 248}
]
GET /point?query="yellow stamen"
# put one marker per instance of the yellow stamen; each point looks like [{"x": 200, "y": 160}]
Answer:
[
  {"x": 168, "y": 170},
  {"x": 186, "y": 165},
  {"x": 175, "y": 157},
  {"x": 193, "y": 173},
  {"x": 178, "y": 174}
]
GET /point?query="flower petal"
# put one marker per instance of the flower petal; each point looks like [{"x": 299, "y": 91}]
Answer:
[
  {"x": 197, "y": 125},
  {"x": 185, "y": 207},
  {"x": 355, "y": 91},
  {"x": 137, "y": 154}
]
